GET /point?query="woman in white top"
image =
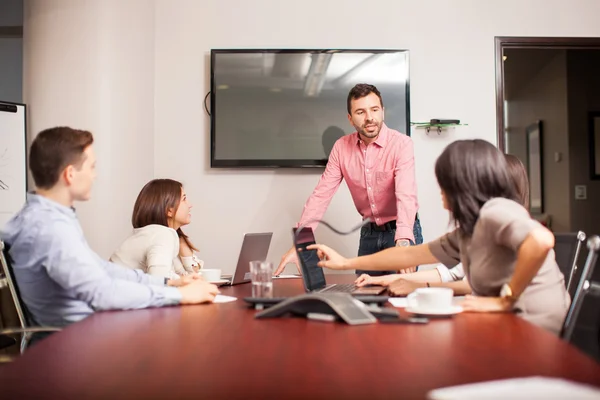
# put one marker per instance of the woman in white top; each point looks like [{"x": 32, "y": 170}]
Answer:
[
  {"x": 441, "y": 276},
  {"x": 158, "y": 246}
]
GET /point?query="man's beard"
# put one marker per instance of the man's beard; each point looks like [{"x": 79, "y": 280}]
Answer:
[{"x": 364, "y": 132}]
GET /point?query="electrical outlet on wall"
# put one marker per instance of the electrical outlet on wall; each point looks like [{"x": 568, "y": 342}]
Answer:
[{"x": 580, "y": 192}]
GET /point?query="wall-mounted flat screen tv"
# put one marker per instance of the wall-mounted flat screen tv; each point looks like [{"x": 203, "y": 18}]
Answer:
[{"x": 286, "y": 108}]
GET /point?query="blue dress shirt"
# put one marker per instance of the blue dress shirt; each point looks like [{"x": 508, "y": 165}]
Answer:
[{"x": 61, "y": 279}]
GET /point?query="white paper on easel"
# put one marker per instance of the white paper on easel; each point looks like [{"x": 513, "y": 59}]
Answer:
[
  {"x": 13, "y": 169},
  {"x": 535, "y": 387}
]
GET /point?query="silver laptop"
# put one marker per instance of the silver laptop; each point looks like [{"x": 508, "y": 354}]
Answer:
[{"x": 254, "y": 247}]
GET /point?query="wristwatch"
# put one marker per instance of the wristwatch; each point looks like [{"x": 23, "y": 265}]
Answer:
[
  {"x": 507, "y": 293},
  {"x": 402, "y": 242}
]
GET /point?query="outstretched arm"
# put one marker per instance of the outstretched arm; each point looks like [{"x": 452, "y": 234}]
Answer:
[{"x": 392, "y": 258}]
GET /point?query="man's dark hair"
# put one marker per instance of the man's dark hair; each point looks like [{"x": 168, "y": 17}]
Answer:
[
  {"x": 53, "y": 150},
  {"x": 471, "y": 172},
  {"x": 361, "y": 90}
]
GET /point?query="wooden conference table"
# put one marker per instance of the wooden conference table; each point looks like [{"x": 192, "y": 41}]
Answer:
[{"x": 220, "y": 351}]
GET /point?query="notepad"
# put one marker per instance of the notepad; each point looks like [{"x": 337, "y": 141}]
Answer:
[
  {"x": 220, "y": 298},
  {"x": 287, "y": 276},
  {"x": 402, "y": 302},
  {"x": 534, "y": 387}
]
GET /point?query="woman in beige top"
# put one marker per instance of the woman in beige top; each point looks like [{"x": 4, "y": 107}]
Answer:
[
  {"x": 442, "y": 276},
  {"x": 158, "y": 246},
  {"x": 506, "y": 255}
]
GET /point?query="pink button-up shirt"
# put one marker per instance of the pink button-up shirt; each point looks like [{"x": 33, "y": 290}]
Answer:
[{"x": 380, "y": 176}]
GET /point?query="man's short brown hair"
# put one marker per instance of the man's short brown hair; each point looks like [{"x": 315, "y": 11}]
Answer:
[
  {"x": 362, "y": 90},
  {"x": 53, "y": 150}
]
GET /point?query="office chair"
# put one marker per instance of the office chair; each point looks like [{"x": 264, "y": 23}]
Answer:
[
  {"x": 5, "y": 340},
  {"x": 566, "y": 249},
  {"x": 584, "y": 286},
  {"x": 28, "y": 326}
]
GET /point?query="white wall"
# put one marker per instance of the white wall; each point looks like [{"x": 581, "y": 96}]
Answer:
[
  {"x": 452, "y": 75},
  {"x": 89, "y": 65},
  {"x": 102, "y": 65}
]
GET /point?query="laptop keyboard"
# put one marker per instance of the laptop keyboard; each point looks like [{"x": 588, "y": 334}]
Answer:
[{"x": 341, "y": 287}]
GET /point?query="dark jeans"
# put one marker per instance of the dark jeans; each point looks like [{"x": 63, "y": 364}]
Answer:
[{"x": 372, "y": 241}]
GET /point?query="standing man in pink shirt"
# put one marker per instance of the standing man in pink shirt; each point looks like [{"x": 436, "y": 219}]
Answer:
[{"x": 378, "y": 165}]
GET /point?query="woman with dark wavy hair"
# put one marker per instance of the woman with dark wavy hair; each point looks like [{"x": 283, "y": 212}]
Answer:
[
  {"x": 158, "y": 246},
  {"x": 507, "y": 256},
  {"x": 441, "y": 276}
]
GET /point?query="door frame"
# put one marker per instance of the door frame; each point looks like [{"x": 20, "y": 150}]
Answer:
[{"x": 512, "y": 42}]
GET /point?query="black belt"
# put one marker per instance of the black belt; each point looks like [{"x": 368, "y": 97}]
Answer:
[{"x": 388, "y": 226}]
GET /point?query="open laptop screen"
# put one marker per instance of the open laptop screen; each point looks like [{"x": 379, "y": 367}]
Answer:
[{"x": 312, "y": 274}]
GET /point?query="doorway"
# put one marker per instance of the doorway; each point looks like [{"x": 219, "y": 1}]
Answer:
[{"x": 547, "y": 98}]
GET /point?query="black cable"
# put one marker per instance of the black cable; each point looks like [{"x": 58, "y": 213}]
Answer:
[
  {"x": 205, "y": 107},
  {"x": 357, "y": 227}
]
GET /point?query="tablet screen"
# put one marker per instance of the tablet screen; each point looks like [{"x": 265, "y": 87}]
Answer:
[{"x": 313, "y": 275}]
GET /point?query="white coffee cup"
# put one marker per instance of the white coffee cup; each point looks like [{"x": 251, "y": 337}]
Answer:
[
  {"x": 431, "y": 298},
  {"x": 210, "y": 275}
]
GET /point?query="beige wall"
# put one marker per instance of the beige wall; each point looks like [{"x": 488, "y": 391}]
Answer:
[
  {"x": 163, "y": 59},
  {"x": 544, "y": 98},
  {"x": 452, "y": 75},
  {"x": 90, "y": 65},
  {"x": 584, "y": 96}
]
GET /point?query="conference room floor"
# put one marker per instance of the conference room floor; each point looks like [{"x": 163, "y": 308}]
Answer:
[{"x": 220, "y": 351}]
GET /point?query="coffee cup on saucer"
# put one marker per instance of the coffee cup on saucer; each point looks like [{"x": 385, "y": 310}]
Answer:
[
  {"x": 432, "y": 301},
  {"x": 210, "y": 274}
]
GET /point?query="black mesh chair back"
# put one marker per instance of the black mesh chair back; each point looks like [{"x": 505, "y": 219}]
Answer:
[
  {"x": 29, "y": 329},
  {"x": 583, "y": 287},
  {"x": 567, "y": 247}
]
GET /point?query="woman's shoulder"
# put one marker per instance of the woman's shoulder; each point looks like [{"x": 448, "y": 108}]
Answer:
[
  {"x": 157, "y": 231},
  {"x": 501, "y": 205}
]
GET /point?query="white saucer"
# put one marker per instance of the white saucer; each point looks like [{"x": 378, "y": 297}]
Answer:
[{"x": 433, "y": 311}]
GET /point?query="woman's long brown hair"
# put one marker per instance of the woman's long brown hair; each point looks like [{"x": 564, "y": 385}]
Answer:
[
  {"x": 153, "y": 202},
  {"x": 517, "y": 172}
]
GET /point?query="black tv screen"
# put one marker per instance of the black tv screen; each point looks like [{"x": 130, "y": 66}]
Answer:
[{"x": 286, "y": 108}]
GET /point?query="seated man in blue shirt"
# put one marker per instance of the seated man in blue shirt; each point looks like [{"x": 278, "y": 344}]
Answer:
[{"x": 61, "y": 279}]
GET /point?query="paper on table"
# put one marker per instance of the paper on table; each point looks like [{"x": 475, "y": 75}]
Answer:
[
  {"x": 287, "y": 276},
  {"x": 224, "y": 299},
  {"x": 534, "y": 387},
  {"x": 402, "y": 302}
]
